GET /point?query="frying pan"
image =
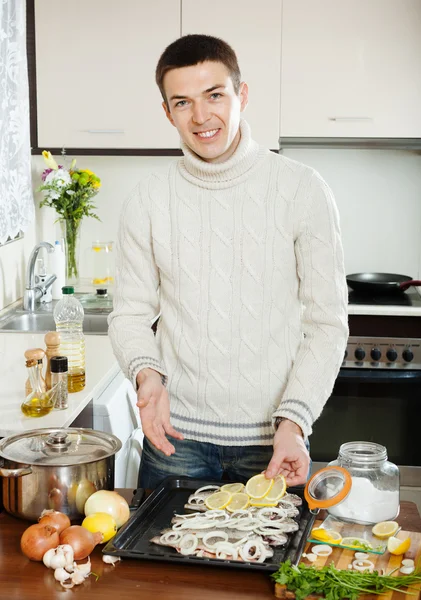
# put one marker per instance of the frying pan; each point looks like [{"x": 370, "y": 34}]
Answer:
[{"x": 385, "y": 283}]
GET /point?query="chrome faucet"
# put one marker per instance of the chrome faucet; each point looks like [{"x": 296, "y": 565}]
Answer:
[{"x": 32, "y": 292}]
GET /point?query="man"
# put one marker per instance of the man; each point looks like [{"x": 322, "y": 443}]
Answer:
[{"x": 238, "y": 249}]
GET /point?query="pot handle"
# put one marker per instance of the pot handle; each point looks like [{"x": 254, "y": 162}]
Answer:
[{"x": 15, "y": 472}]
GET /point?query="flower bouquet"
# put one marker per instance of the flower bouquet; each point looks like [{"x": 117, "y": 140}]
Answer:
[{"x": 70, "y": 192}]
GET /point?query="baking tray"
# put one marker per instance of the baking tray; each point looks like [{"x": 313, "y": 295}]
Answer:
[{"x": 155, "y": 514}]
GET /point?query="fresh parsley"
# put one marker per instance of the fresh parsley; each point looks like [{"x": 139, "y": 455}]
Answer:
[{"x": 334, "y": 584}]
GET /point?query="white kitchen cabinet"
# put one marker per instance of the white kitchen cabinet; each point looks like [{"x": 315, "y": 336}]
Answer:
[
  {"x": 95, "y": 72},
  {"x": 351, "y": 68},
  {"x": 253, "y": 29}
]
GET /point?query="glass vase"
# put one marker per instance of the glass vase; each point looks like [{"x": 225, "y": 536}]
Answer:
[{"x": 70, "y": 231}]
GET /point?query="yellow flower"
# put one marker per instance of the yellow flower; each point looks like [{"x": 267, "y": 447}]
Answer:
[
  {"x": 49, "y": 160},
  {"x": 86, "y": 171}
]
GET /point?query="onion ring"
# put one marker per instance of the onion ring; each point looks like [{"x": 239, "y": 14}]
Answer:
[
  {"x": 208, "y": 488},
  {"x": 188, "y": 544},
  {"x": 363, "y": 565},
  {"x": 225, "y": 549},
  {"x": 214, "y": 534},
  {"x": 171, "y": 537}
]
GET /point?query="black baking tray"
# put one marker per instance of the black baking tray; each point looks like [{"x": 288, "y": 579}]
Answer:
[{"x": 155, "y": 514}]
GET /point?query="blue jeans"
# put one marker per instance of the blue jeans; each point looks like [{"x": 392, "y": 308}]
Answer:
[{"x": 202, "y": 460}]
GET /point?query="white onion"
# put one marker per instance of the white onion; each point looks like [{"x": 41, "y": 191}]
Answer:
[
  {"x": 108, "y": 502},
  {"x": 363, "y": 565},
  {"x": 223, "y": 535},
  {"x": 322, "y": 550}
]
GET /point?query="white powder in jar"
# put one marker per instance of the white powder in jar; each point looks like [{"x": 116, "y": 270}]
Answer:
[{"x": 367, "y": 503}]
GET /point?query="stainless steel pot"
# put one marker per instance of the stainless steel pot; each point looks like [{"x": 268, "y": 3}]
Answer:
[{"x": 55, "y": 469}]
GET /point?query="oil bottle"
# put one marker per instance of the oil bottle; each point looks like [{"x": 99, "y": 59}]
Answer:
[
  {"x": 68, "y": 317},
  {"x": 39, "y": 402}
]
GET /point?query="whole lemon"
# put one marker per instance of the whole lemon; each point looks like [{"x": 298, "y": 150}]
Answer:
[{"x": 102, "y": 522}]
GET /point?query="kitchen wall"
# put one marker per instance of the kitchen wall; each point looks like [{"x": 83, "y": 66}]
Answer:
[{"x": 378, "y": 193}]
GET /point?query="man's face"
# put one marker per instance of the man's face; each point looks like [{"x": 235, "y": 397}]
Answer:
[{"x": 205, "y": 109}]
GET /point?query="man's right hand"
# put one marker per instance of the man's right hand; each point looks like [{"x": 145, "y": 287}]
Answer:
[{"x": 154, "y": 410}]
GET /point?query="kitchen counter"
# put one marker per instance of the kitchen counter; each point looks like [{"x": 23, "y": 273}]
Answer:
[
  {"x": 129, "y": 579},
  {"x": 101, "y": 368},
  {"x": 390, "y": 311}
]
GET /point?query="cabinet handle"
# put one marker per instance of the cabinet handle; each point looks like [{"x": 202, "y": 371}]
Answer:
[
  {"x": 350, "y": 118},
  {"x": 103, "y": 130}
]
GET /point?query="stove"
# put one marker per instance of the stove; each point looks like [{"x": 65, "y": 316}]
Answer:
[
  {"x": 409, "y": 298},
  {"x": 384, "y": 341}
]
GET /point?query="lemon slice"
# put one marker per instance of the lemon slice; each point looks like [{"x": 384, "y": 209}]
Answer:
[
  {"x": 397, "y": 546},
  {"x": 238, "y": 501},
  {"x": 218, "y": 500},
  {"x": 385, "y": 529},
  {"x": 262, "y": 502},
  {"x": 258, "y": 486},
  {"x": 277, "y": 490},
  {"x": 356, "y": 542},
  {"x": 232, "y": 488},
  {"x": 326, "y": 535}
]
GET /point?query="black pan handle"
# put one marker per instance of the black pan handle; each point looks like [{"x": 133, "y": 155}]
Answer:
[{"x": 406, "y": 284}]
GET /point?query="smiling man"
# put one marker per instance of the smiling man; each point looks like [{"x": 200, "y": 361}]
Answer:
[{"x": 238, "y": 250}]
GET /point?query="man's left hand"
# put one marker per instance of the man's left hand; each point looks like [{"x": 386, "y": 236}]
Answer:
[{"x": 290, "y": 455}]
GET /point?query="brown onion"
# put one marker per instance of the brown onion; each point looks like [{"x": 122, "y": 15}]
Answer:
[
  {"x": 37, "y": 539},
  {"x": 55, "y": 519},
  {"x": 81, "y": 540}
]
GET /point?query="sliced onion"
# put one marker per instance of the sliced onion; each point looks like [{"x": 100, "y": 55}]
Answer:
[
  {"x": 322, "y": 550},
  {"x": 271, "y": 511},
  {"x": 171, "y": 537},
  {"x": 363, "y": 565},
  {"x": 217, "y": 515},
  {"x": 197, "y": 500},
  {"x": 226, "y": 550},
  {"x": 188, "y": 544},
  {"x": 208, "y": 488},
  {"x": 246, "y": 551},
  {"x": 223, "y": 535}
]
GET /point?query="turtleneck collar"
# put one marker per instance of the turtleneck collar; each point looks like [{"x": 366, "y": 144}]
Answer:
[{"x": 225, "y": 174}]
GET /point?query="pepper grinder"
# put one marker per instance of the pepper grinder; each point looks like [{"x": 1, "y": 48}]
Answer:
[
  {"x": 52, "y": 341},
  {"x": 38, "y": 355}
]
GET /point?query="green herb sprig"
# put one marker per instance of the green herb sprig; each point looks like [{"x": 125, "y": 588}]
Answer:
[{"x": 334, "y": 584}]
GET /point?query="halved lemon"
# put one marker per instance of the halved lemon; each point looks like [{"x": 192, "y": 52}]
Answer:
[
  {"x": 397, "y": 546},
  {"x": 232, "y": 488},
  {"x": 260, "y": 502},
  {"x": 326, "y": 535},
  {"x": 385, "y": 529},
  {"x": 356, "y": 542},
  {"x": 238, "y": 501},
  {"x": 218, "y": 500},
  {"x": 258, "y": 486},
  {"x": 277, "y": 490}
]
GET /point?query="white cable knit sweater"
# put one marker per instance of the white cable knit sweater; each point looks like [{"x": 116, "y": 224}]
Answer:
[{"x": 244, "y": 262}]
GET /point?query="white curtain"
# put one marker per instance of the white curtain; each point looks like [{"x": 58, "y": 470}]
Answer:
[{"x": 16, "y": 200}]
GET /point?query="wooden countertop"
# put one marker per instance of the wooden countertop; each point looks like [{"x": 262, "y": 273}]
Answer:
[{"x": 22, "y": 579}]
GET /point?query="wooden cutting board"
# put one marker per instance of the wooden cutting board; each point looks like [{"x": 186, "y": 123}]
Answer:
[{"x": 343, "y": 557}]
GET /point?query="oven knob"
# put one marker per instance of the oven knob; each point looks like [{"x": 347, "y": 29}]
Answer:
[
  {"x": 345, "y": 354},
  {"x": 375, "y": 354},
  {"x": 360, "y": 354},
  {"x": 391, "y": 355},
  {"x": 407, "y": 355}
]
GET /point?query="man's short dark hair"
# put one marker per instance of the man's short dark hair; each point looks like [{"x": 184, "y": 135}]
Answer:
[{"x": 191, "y": 50}]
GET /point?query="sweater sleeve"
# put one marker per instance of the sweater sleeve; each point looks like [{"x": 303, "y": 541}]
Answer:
[
  {"x": 136, "y": 295},
  {"x": 323, "y": 295}
]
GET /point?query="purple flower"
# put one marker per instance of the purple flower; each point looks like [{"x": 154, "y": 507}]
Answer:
[{"x": 45, "y": 173}]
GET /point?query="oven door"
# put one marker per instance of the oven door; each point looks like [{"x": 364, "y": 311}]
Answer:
[{"x": 377, "y": 405}]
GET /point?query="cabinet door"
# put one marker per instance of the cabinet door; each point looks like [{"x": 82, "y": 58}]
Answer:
[
  {"x": 95, "y": 64},
  {"x": 351, "y": 68},
  {"x": 253, "y": 30}
]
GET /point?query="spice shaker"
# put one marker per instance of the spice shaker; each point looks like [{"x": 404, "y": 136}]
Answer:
[{"x": 59, "y": 373}]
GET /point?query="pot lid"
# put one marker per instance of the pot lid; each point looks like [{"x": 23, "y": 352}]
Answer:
[
  {"x": 327, "y": 487},
  {"x": 59, "y": 446}
]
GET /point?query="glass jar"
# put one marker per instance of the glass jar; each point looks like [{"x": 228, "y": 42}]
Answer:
[
  {"x": 103, "y": 265},
  {"x": 374, "y": 494},
  {"x": 38, "y": 403}
]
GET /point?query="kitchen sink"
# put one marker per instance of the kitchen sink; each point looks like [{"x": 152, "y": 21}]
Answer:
[{"x": 34, "y": 322}]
